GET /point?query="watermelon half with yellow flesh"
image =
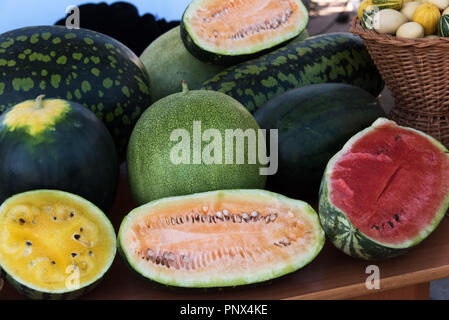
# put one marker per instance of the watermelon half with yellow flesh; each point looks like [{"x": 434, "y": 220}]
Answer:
[
  {"x": 220, "y": 238},
  {"x": 54, "y": 244},
  {"x": 385, "y": 191}
]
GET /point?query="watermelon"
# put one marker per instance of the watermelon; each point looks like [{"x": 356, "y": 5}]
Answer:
[
  {"x": 168, "y": 63},
  {"x": 335, "y": 57},
  {"x": 79, "y": 65},
  {"x": 223, "y": 238},
  {"x": 53, "y": 244},
  {"x": 385, "y": 191},
  {"x": 57, "y": 144},
  {"x": 313, "y": 123},
  {"x": 388, "y": 4},
  {"x": 194, "y": 141},
  {"x": 226, "y": 32}
]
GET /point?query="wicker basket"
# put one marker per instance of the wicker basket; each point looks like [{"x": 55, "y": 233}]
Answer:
[{"x": 417, "y": 73}]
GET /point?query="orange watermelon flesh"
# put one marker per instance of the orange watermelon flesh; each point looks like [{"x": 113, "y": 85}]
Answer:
[{"x": 391, "y": 183}]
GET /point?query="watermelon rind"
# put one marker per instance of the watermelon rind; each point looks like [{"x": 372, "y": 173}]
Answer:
[{"x": 344, "y": 235}]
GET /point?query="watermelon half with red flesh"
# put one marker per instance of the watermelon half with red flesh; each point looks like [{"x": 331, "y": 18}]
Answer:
[{"x": 385, "y": 191}]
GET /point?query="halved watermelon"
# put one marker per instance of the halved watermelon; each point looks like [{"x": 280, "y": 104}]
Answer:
[
  {"x": 228, "y": 32},
  {"x": 220, "y": 238},
  {"x": 54, "y": 244},
  {"x": 385, "y": 191}
]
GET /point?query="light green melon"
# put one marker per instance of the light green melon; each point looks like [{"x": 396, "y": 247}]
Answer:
[{"x": 155, "y": 153}]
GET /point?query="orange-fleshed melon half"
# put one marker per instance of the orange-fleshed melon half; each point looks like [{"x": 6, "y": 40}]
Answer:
[
  {"x": 220, "y": 238},
  {"x": 227, "y": 32},
  {"x": 53, "y": 244}
]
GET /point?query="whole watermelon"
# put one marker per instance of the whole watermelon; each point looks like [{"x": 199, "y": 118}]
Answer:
[{"x": 79, "y": 65}]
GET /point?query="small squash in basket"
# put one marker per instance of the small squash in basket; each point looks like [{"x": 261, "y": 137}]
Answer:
[
  {"x": 443, "y": 26},
  {"x": 410, "y": 30},
  {"x": 388, "y": 21},
  {"x": 428, "y": 15},
  {"x": 388, "y": 4},
  {"x": 364, "y": 5}
]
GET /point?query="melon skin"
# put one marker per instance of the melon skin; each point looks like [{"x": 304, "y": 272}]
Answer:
[
  {"x": 168, "y": 63},
  {"x": 235, "y": 279},
  {"x": 344, "y": 235},
  {"x": 29, "y": 290},
  {"x": 151, "y": 172},
  {"x": 60, "y": 157},
  {"x": 79, "y": 65}
]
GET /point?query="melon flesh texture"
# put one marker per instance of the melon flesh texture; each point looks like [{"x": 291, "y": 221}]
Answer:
[
  {"x": 391, "y": 184},
  {"x": 244, "y": 26},
  {"x": 45, "y": 238},
  {"x": 220, "y": 239}
]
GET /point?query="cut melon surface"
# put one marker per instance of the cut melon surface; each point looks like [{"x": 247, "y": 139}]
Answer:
[
  {"x": 239, "y": 27},
  {"x": 220, "y": 238},
  {"x": 391, "y": 183},
  {"x": 54, "y": 242}
]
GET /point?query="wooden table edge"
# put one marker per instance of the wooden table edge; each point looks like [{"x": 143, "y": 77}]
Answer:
[{"x": 389, "y": 283}]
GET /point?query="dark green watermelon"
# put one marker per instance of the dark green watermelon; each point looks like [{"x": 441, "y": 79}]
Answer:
[
  {"x": 313, "y": 123},
  {"x": 78, "y": 65},
  {"x": 60, "y": 146}
]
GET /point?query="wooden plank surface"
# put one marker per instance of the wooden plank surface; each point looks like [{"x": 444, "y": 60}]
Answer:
[{"x": 332, "y": 275}]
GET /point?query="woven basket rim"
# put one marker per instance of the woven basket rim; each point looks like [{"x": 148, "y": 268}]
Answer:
[{"x": 357, "y": 29}]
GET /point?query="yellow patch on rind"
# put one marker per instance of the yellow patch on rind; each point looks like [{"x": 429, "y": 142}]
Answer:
[{"x": 34, "y": 120}]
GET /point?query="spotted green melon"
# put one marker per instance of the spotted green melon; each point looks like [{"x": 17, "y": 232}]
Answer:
[{"x": 77, "y": 65}]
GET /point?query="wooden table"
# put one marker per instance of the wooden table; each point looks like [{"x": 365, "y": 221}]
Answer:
[{"x": 332, "y": 275}]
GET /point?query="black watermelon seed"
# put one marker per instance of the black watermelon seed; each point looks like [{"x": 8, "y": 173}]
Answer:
[
  {"x": 28, "y": 243},
  {"x": 73, "y": 254},
  {"x": 21, "y": 221},
  {"x": 77, "y": 236}
]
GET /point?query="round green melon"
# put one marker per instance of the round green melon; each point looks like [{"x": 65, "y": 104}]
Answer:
[
  {"x": 78, "y": 65},
  {"x": 168, "y": 62},
  {"x": 179, "y": 147},
  {"x": 57, "y": 144}
]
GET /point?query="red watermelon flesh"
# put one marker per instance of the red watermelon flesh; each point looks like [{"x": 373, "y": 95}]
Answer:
[{"x": 391, "y": 183}]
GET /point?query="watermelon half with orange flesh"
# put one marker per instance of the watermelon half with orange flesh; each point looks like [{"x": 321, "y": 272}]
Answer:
[
  {"x": 220, "y": 238},
  {"x": 229, "y": 32},
  {"x": 385, "y": 191}
]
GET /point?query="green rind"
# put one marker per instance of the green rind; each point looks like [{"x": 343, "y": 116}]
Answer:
[
  {"x": 348, "y": 238},
  {"x": 168, "y": 63},
  {"x": 256, "y": 278},
  {"x": 228, "y": 58},
  {"x": 313, "y": 122},
  {"x": 150, "y": 169},
  {"x": 39, "y": 294},
  {"x": 79, "y": 65},
  {"x": 76, "y": 155},
  {"x": 335, "y": 57}
]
